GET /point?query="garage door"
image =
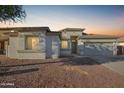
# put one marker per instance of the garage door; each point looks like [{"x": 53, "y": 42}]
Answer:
[{"x": 98, "y": 48}]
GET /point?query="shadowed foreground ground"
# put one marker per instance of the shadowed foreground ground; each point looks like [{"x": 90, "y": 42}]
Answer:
[{"x": 71, "y": 72}]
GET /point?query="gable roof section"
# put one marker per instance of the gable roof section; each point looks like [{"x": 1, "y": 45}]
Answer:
[{"x": 72, "y": 29}]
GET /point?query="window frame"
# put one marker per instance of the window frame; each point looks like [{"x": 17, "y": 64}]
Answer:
[
  {"x": 26, "y": 40},
  {"x": 67, "y": 44}
]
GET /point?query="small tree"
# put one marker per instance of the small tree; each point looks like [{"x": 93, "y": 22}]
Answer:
[{"x": 12, "y": 13}]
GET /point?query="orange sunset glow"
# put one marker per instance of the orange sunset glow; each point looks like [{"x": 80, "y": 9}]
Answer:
[{"x": 106, "y": 20}]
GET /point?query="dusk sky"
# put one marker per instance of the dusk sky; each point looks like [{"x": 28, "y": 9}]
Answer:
[{"x": 107, "y": 20}]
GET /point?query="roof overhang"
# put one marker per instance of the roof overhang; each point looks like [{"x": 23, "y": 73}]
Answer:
[
  {"x": 73, "y": 29},
  {"x": 25, "y": 29},
  {"x": 54, "y": 33},
  {"x": 98, "y": 37}
]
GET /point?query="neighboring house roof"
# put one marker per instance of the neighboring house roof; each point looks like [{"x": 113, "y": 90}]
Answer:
[
  {"x": 98, "y": 37},
  {"x": 72, "y": 29},
  {"x": 121, "y": 39}
]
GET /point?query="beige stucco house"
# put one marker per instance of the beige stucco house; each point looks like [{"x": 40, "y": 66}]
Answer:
[
  {"x": 42, "y": 43},
  {"x": 75, "y": 42},
  {"x": 32, "y": 43}
]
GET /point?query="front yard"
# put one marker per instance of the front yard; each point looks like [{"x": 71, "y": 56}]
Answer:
[{"x": 63, "y": 72}]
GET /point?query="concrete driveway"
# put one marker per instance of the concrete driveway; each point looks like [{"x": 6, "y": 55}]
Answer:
[
  {"x": 116, "y": 66},
  {"x": 115, "y": 63}
]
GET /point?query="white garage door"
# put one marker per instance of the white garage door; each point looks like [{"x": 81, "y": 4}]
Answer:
[{"x": 98, "y": 48}]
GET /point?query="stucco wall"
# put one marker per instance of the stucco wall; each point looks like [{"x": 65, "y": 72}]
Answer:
[
  {"x": 16, "y": 48},
  {"x": 49, "y": 46},
  {"x": 31, "y": 55},
  {"x": 66, "y": 51},
  {"x": 12, "y": 47},
  {"x": 53, "y": 46},
  {"x": 68, "y": 34},
  {"x": 6, "y": 47}
]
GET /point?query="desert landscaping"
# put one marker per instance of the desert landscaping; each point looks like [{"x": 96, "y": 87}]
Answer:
[{"x": 64, "y": 72}]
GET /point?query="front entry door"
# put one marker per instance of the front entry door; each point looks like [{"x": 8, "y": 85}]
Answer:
[
  {"x": 74, "y": 45},
  {"x": 120, "y": 50}
]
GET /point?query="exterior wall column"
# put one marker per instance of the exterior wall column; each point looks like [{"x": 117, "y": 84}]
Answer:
[
  {"x": 42, "y": 44},
  {"x": 55, "y": 47},
  {"x": 115, "y": 48}
]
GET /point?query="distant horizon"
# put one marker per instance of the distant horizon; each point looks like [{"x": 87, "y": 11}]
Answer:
[{"x": 97, "y": 19}]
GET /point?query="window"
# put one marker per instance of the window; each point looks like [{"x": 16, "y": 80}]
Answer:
[
  {"x": 32, "y": 42},
  {"x": 64, "y": 44}
]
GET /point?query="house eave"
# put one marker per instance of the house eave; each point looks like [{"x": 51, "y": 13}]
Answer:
[
  {"x": 53, "y": 33},
  {"x": 25, "y": 29},
  {"x": 73, "y": 29},
  {"x": 98, "y": 37}
]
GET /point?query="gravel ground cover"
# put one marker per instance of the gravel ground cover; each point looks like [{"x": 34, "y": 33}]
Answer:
[{"x": 69, "y": 72}]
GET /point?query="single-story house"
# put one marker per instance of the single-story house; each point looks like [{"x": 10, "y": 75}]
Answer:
[
  {"x": 42, "y": 43},
  {"x": 74, "y": 42},
  {"x": 32, "y": 43}
]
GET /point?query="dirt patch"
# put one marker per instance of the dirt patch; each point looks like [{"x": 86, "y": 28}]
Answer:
[
  {"x": 57, "y": 73},
  {"x": 75, "y": 69}
]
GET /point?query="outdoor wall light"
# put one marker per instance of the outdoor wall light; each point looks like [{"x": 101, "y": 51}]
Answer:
[{"x": 12, "y": 31}]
